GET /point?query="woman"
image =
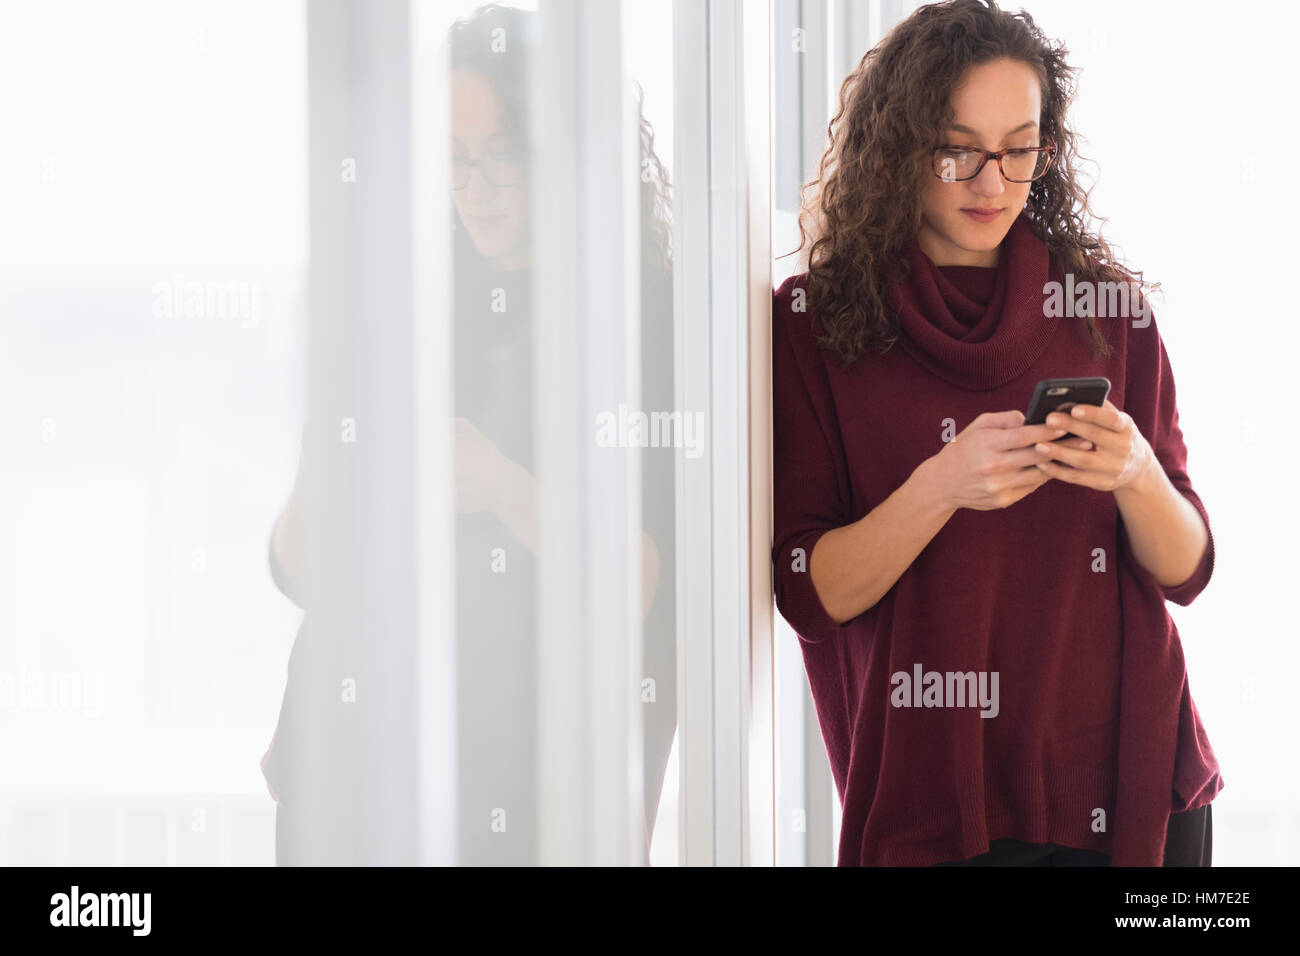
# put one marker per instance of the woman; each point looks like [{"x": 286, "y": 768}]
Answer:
[
  {"x": 499, "y": 774},
  {"x": 981, "y": 603}
]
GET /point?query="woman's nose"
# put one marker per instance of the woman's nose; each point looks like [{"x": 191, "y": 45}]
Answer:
[
  {"x": 989, "y": 182},
  {"x": 478, "y": 186}
]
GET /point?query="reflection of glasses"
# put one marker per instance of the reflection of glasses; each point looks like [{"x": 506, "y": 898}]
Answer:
[
  {"x": 1022, "y": 165},
  {"x": 499, "y": 169}
]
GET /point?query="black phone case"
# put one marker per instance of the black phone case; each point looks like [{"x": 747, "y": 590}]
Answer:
[{"x": 1080, "y": 391}]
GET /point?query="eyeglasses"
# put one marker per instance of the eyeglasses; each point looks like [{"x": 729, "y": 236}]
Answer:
[
  {"x": 499, "y": 169},
  {"x": 954, "y": 164}
]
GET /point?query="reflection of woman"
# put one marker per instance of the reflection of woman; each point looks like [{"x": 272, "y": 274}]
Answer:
[
  {"x": 494, "y": 485},
  {"x": 929, "y": 545},
  {"x": 495, "y": 492}
]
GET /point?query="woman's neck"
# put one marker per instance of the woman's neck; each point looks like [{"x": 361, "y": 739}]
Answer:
[{"x": 943, "y": 252}]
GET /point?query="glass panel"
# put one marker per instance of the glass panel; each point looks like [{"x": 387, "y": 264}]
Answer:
[
  {"x": 650, "y": 64},
  {"x": 177, "y": 346},
  {"x": 495, "y": 501},
  {"x": 498, "y": 627}
]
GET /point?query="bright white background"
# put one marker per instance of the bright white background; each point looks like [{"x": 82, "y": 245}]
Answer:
[{"x": 145, "y": 141}]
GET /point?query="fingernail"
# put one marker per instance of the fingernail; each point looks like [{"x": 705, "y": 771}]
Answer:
[
  {"x": 1077, "y": 411},
  {"x": 1060, "y": 431}
]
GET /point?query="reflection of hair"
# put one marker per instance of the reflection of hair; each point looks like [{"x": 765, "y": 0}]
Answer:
[
  {"x": 495, "y": 41},
  {"x": 864, "y": 204},
  {"x": 476, "y": 44},
  {"x": 656, "y": 199}
]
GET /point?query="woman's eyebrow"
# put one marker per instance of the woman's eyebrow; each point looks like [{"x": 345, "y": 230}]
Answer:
[{"x": 958, "y": 128}]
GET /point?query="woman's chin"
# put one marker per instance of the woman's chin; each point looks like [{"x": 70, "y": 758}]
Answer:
[
  {"x": 980, "y": 237},
  {"x": 489, "y": 246}
]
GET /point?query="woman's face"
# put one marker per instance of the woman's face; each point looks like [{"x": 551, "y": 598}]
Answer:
[
  {"x": 997, "y": 106},
  {"x": 495, "y": 216}
]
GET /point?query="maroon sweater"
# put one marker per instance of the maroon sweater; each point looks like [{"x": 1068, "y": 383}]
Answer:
[{"x": 1091, "y": 737}]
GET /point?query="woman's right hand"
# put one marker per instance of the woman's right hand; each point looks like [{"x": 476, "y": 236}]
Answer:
[{"x": 992, "y": 463}]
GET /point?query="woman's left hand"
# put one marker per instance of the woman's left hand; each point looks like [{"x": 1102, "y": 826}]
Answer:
[{"x": 1119, "y": 454}]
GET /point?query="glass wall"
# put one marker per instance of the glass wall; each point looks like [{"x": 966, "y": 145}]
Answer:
[{"x": 378, "y": 401}]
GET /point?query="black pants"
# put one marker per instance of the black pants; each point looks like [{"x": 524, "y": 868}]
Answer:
[{"x": 1188, "y": 842}]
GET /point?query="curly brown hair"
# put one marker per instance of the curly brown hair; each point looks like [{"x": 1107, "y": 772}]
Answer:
[{"x": 864, "y": 204}]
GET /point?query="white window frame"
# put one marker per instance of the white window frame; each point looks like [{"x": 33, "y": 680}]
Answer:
[{"x": 722, "y": 324}]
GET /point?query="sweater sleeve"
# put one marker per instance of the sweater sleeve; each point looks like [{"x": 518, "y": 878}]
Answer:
[
  {"x": 807, "y": 469},
  {"x": 1152, "y": 402}
]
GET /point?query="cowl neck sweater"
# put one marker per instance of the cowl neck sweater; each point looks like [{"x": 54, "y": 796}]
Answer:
[
  {"x": 1097, "y": 740},
  {"x": 972, "y": 344},
  {"x": 973, "y": 283}
]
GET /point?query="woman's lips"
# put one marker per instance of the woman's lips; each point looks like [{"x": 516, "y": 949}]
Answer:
[{"x": 983, "y": 215}]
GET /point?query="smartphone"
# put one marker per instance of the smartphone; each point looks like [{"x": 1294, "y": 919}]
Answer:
[{"x": 1062, "y": 394}]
